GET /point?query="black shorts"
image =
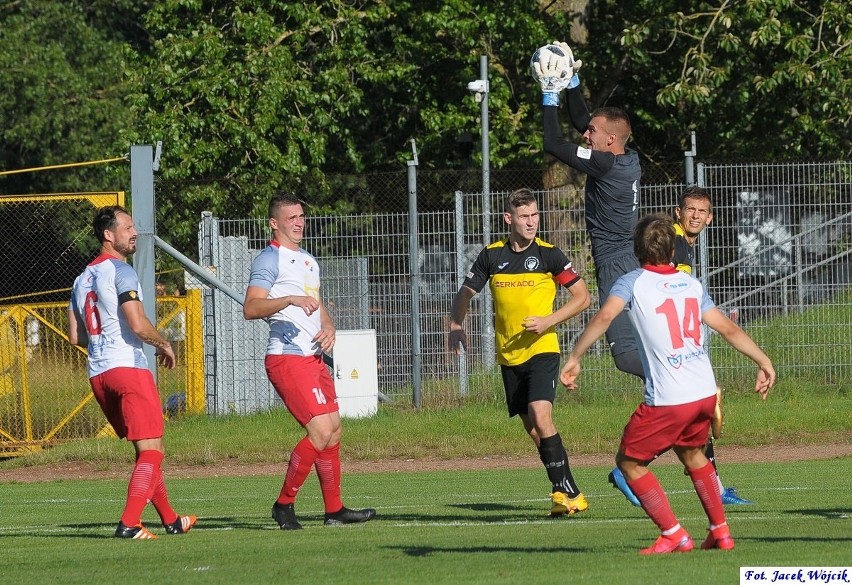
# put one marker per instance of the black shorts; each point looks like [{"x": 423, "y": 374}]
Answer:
[
  {"x": 535, "y": 379},
  {"x": 620, "y": 336}
]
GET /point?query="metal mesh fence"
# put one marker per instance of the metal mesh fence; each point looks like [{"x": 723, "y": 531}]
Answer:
[
  {"x": 45, "y": 395},
  {"x": 775, "y": 258}
]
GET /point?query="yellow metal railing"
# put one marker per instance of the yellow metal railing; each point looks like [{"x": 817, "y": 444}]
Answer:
[{"x": 44, "y": 391}]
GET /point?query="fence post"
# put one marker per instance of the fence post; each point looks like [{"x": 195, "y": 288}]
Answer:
[
  {"x": 460, "y": 272},
  {"x": 487, "y": 305},
  {"x": 689, "y": 161},
  {"x": 206, "y": 241},
  {"x": 142, "y": 186},
  {"x": 414, "y": 269}
]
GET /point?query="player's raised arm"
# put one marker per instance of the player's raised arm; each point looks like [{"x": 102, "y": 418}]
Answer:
[{"x": 740, "y": 340}]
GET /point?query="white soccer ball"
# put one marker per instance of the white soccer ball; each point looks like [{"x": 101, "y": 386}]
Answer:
[{"x": 542, "y": 56}]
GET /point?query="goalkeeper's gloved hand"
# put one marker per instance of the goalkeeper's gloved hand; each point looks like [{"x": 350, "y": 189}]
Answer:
[
  {"x": 554, "y": 67},
  {"x": 550, "y": 68},
  {"x": 575, "y": 64}
]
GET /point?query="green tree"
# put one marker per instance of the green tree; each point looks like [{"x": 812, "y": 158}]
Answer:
[
  {"x": 62, "y": 102},
  {"x": 251, "y": 97},
  {"x": 765, "y": 79}
]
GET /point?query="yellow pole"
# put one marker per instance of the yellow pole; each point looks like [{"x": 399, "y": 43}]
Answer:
[{"x": 195, "y": 392}]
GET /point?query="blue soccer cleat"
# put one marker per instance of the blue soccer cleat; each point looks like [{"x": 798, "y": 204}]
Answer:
[
  {"x": 616, "y": 478},
  {"x": 730, "y": 497}
]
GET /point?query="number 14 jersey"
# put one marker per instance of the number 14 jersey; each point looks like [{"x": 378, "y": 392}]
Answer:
[{"x": 665, "y": 307}]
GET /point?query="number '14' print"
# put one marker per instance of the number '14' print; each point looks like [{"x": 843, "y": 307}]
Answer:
[{"x": 686, "y": 326}]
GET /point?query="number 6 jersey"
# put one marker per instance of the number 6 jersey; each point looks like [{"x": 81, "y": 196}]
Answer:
[
  {"x": 96, "y": 299},
  {"x": 665, "y": 307}
]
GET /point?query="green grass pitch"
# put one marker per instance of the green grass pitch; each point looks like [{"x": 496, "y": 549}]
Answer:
[{"x": 432, "y": 527}]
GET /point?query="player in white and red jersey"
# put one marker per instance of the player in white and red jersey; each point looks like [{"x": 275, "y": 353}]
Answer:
[
  {"x": 107, "y": 317},
  {"x": 667, "y": 309},
  {"x": 284, "y": 289}
]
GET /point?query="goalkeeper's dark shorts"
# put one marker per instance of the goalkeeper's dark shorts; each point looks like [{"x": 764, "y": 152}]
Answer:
[
  {"x": 533, "y": 380},
  {"x": 620, "y": 335}
]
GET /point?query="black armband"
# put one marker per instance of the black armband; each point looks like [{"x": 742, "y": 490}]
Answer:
[{"x": 130, "y": 295}]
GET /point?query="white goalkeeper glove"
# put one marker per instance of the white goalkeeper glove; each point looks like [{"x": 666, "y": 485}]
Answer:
[{"x": 553, "y": 67}]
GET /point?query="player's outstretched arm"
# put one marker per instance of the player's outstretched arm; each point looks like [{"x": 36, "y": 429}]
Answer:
[
  {"x": 591, "y": 333},
  {"x": 744, "y": 344},
  {"x": 458, "y": 311}
]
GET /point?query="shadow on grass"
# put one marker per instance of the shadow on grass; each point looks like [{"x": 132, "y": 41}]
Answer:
[
  {"x": 425, "y": 551},
  {"x": 828, "y": 514},
  {"x": 767, "y": 539}
]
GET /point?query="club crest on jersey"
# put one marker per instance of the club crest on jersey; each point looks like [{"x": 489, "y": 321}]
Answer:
[
  {"x": 675, "y": 361},
  {"x": 531, "y": 263}
]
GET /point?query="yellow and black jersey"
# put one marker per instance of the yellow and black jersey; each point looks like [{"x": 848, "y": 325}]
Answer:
[
  {"x": 684, "y": 254},
  {"x": 523, "y": 284}
]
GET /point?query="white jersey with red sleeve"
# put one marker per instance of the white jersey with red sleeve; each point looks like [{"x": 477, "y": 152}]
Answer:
[
  {"x": 284, "y": 272},
  {"x": 665, "y": 307},
  {"x": 96, "y": 300}
]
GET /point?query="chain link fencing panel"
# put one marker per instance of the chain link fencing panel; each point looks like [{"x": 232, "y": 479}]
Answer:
[
  {"x": 797, "y": 309},
  {"x": 776, "y": 258},
  {"x": 45, "y": 395}
]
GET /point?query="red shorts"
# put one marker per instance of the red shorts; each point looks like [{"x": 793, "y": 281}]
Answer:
[
  {"x": 304, "y": 384},
  {"x": 653, "y": 430},
  {"x": 131, "y": 402}
]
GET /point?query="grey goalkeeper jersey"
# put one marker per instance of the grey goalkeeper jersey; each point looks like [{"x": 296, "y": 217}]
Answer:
[{"x": 612, "y": 183}]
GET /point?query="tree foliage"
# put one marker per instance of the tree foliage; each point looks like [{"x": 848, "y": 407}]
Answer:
[
  {"x": 271, "y": 93},
  {"x": 63, "y": 93},
  {"x": 764, "y": 79},
  {"x": 253, "y": 96}
]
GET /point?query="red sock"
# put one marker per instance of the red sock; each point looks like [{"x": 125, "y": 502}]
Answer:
[
  {"x": 160, "y": 500},
  {"x": 706, "y": 485},
  {"x": 328, "y": 471},
  {"x": 654, "y": 501},
  {"x": 141, "y": 486},
  {"x": 301, "y": 461}
]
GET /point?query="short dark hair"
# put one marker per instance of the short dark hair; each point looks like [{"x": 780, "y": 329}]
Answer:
[
  {"x": 519, "y": 197},
  {"x": 695, "y": 193},
  {"x": 618, "y": 117},
  {"x": 280, "y": 200},
  {"x": 654, "y": 238},
  {"x": 105, "y": 219}
]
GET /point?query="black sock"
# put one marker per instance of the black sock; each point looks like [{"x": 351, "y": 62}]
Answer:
[
  {"x": 555, "y": 460},
  {"x": 710, "y": 452}
]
